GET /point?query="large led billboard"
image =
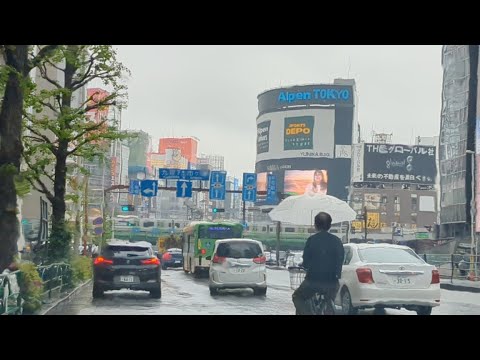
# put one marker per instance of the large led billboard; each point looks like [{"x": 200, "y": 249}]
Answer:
[
  {"x": 301, "y": 129},
  {"x": 299, "y": 182}
]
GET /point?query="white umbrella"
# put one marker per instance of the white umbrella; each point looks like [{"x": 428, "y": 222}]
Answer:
[{"x": 301, "y": 209}]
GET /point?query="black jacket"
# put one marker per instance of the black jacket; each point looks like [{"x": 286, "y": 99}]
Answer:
[{"x": 323, "y": 257}]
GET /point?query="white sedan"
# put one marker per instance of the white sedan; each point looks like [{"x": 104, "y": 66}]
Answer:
[{"x": 385, "y": 275}]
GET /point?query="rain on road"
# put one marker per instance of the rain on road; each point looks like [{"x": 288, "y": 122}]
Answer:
[{"x": 184, "y": 295}]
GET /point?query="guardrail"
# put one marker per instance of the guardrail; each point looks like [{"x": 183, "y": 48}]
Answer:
[
  {"x": 55, "y": 277},
  {"x": 455, "y": 266},
  {"x": 10, "y": 299}
]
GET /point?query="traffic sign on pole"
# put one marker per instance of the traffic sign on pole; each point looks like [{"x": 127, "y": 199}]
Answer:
[
  {"x": 149, "y": 188},
  {"x": 184, "y": 189},
  {"x": 217, "y": 185},
  {"x": 271, "y": 189},
  {"x": 249, "y": 192},
  {"x": 134, "y": 188}
]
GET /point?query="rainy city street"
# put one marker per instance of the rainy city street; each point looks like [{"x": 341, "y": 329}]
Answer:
[{"x": 184, "y": 295}]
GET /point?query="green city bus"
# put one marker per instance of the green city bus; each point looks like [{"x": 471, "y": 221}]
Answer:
[{"x": 199, "y": 242}]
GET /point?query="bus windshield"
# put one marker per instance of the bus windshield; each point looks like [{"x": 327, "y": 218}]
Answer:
[{"x": 218, "y": 232}]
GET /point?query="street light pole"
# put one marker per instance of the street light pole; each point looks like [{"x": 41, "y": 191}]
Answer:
[{"x": 473, "y": 262}]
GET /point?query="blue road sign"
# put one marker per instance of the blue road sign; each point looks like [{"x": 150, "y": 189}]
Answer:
[
  {"x": 217, "y": 185},
  {"x": 97, "y": 221},
  {"x": 175, "y": 174},
  {"x": 149, "y": 188},
  {"x": 184, "y": 189},
  {"x": 169, "y": 173},
  {"x": 249, "y": 192},
  {"x": 200, "y": 175},
  {"x": 271, "y": 188},
  {"x": 134, "y": 188},
  {"x": 98, "y": 230}
]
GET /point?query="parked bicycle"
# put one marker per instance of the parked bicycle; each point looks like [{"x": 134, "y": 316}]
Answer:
[{"x": 319, "y": 303}]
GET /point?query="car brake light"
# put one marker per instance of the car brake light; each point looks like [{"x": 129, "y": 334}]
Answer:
[
  {"x": 435, "y": 277},
  {"x": 203, "y": 251},
  {"x": 152, "y": 261},
  {"x": 218, "y": 259},
  {"x": 167, "y": 256},
  {"x": 365, "y": 275},
  {"x": 100, "y": 260},
  {"x": 260, "y": 260}
]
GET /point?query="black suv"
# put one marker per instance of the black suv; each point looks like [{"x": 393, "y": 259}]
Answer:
[{"x": 126, "y": 265}]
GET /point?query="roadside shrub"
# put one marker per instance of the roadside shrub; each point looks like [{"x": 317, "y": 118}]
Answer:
[
  {"x": 81, "y": 268},
  {"x": 31, "y": 287}
]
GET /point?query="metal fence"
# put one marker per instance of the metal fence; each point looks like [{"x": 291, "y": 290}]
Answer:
[
  {"x": 10, "y": 299},
  {"x": 455, "y": 266},
  {"x": 55, "y": 278}
]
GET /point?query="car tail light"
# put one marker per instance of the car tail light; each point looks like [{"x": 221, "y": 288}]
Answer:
[
  {"x": 365, "y": 275},
  {"x": 260, "y": 260},
  {"x": 152, "y": 261},
  {"x": 218, "y": 259},
  {"x": 203, "y": 251},
  {"x": 435, "y": 277},
  {"x": 100, "y": 260},
  {"x": 167, "y": 256}
]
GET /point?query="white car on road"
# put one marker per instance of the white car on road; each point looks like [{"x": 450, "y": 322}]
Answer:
[
  {"x": 238, "y": 263},
  {"x": 385, "y": 275}
]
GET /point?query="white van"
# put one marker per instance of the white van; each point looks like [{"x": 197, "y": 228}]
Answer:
[{"x": 238, "y": 263}]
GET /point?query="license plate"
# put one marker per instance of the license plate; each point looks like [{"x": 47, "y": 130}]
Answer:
[
  {"x": 238, "y": 270},
  {"x": 401, "y": 280},
  {"x": 126, "y": 279},
  {"x": 177, "y": 261}
]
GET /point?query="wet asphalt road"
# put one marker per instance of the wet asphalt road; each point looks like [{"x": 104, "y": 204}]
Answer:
[{"x": 184, "y": 295}]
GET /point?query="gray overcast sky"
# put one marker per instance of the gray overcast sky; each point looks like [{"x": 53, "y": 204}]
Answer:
[{"x": 211, "y": 91}]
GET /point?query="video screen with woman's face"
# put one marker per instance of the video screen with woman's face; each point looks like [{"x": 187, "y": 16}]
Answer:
[{"x": 299, "y": 182}]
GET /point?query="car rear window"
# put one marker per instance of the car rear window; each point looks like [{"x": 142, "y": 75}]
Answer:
[
  {"x": 389, "y": 255},
  {"x": 238, "y": 250},
  {"x": 121, "y": 251}
]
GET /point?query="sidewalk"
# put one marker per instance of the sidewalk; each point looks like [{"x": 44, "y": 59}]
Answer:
[
  {"x": 65, "y": 297},
  {"x": 456, "y": 284},
  {"x": 460, "y": 285}
]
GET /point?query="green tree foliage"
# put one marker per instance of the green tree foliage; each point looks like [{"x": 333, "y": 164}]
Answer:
[
  {"x": 59, "y": 128},
  {"x": 16, "y": 61}
]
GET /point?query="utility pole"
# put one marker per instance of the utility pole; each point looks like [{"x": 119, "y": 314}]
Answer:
[
  {"x": 243, "y": 212},
  {"x": 85, "y": 217},
  {"x": 365, "y": 220},
  {"x": 473, "y": 247},
  {"x": 278, "y": 242}
]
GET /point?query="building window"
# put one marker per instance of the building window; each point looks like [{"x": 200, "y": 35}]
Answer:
[
  {"x": 414, "y": 202},
  {"x": 289, "y": 229},
  {"x": 414, "y": 218},
  {"x": 384, "y": 203},
  {"x": 396, "y": 202}
]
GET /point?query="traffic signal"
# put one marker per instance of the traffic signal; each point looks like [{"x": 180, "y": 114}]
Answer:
[
  {"x": 128, "y": 208},
  {"x": 217, "y": 210}
]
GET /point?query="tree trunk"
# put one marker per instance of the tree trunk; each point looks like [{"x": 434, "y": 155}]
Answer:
[
  {"x": 10, "y": 153},
  {"x": 60, "y": 238}
]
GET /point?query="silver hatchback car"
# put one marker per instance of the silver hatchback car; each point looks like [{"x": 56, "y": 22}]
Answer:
[{"x": 238, "y": 263}]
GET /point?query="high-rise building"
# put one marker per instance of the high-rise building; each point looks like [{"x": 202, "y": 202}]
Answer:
[
  {"x": 212, "y": 162},
  {"x": 305, "y": 133},
  {"x": 457, "y": 136}
]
